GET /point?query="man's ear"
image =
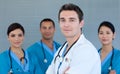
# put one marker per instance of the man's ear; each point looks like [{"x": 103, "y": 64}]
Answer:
[{"x": 81, "y": 23}]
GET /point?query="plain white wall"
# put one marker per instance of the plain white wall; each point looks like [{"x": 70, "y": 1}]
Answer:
[{"x": 30, "y": 12}]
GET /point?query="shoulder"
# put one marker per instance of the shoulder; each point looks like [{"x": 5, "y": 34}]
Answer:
[
  {"x": 117, "y": 51},
  {"x": 34, "y": 46},
  {"x": 85, "y": 43},
  {"x": 116, "y": 54},
  {"x": 4, "y": 54},
  {"x": 4, "y": 59},
  {"x": 86, "y": 48},
  {"x": 116, "y": 59}
]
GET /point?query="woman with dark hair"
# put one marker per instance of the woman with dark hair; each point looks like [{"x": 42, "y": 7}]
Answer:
[
  {"x": 15, "y": 60},
  {"x": 110, "y": 56}
]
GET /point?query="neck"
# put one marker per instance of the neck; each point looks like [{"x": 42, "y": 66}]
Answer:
[
  {"x": 72, "y": 40},
  {"x": 49, "y": 43},
  {"x": 107, "y": 48},
  {"x": 19, "y": 53},
  {"x": 16, "y": 49}
]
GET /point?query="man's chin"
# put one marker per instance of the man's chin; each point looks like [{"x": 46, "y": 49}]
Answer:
[{"x": 48, "y": 38}]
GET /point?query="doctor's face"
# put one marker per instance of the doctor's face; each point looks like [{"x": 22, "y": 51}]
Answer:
[
  {"x": 16, "y": 38},
  {"x": 70, "y": 24},
  {"x": 105, "y": 35},
  {"x": 47, "y": 30}
]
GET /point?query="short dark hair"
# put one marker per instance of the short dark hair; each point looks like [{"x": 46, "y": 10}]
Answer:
[
  {"x": 15, "y": 26},
  {"x": 107, "y": 24},
  {"x": 71, "y": 7},
  {"x": 47, "y": 19}
]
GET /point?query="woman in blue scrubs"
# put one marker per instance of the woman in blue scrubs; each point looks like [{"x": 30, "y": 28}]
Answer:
[
  {"x": 15, "y": 60},
  {"x": 110, "y": 56}
]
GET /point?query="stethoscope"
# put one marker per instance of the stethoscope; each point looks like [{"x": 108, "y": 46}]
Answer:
[
  {"x": 61, "y": 57},
  {"x": 45, "y": 59},
  {"x": 43, "y": 50},
  {"x": 58, "y": 55},
  {"x": 11, "y": 71},
  {"x": 111, "y": 60}
]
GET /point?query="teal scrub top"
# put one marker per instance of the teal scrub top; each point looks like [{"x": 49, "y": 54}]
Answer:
[
  {"x": 42, "y": 51},
  {"x": 5, "y": 64},
  {"x": 115, "y": 62}
]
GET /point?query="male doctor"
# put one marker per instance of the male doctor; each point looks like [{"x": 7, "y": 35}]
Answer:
[{"x": 77, "y": 55}]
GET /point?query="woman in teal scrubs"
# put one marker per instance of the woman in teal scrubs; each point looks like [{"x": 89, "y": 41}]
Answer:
[
  {"x": 110, "y": 56},
  {"x": 15, "y": 60}
]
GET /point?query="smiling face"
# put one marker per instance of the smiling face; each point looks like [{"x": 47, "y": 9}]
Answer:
[
  {"x": 16, "y": 38},
  {"x": 70, "y": 24},
  {"x": 47, "y": 30},
  {"x": 106, "y": 35}
]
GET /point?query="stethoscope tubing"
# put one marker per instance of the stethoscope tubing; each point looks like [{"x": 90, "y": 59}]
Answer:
[
  {"x": 10, "y": 57},
  {"x": 45, "y": 59},
  {"x": 43, "y": 50},
  {"x": 111, "y": 60},
  {"x": 58, "y": 55}
]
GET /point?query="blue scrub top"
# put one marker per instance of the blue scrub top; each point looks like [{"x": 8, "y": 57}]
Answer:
[
  {"x": 39, "y": 49},
  {"x": 115, "y": 62},
  {"x": 25, "y": 66},
  {"x": 32, "y": 66}
]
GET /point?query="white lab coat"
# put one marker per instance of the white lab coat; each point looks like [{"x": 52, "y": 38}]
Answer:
[{"x": 82, "y": 58}]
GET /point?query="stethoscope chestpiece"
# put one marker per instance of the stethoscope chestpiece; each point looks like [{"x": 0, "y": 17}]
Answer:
[
  {"x": 10, "y": 72},
  {"x": 110, "y": 68},
  {"x": 60, "y": 59},
  {"x": 45, "y": 60}
]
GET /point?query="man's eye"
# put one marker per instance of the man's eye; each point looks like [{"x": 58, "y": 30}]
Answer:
[
  {"x": 72, "y": 20},
  {"x": 62, "y": 20}
]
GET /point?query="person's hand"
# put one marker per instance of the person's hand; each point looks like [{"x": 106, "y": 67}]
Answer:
[
  {"x": 112, "y": 72},
  {"x": 65, "y": 72}
]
